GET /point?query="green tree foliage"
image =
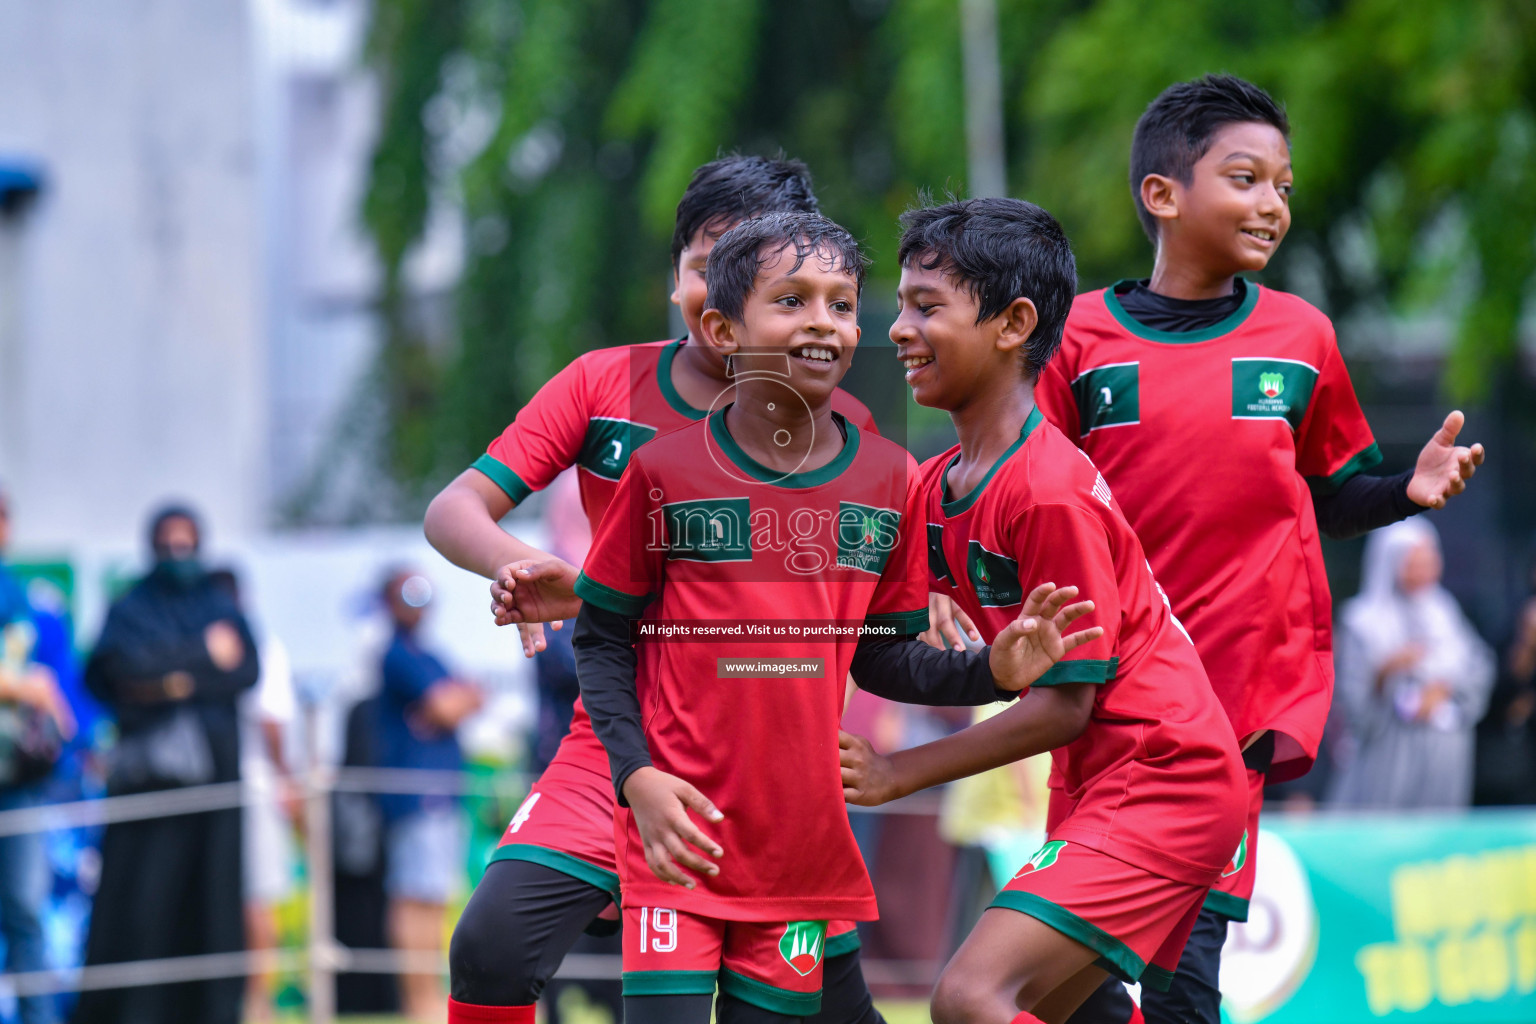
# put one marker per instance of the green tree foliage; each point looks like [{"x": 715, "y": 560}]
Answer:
[{"x": 564, "y": 130}]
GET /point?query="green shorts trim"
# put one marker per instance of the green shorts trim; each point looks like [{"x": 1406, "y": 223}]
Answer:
[
  {"x": 1115, "y": 956},
  {"x": 669, "y": 983},
  {"x": 1156, "y": 977},
  {"x": 564, "y": 863},
  {"x": 767, "y": 997},
  {"x": 842, "y": 945},
  {"x": 1233, "y": 908}
]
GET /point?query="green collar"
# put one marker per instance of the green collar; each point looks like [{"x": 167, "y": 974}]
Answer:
[
  {"x": 959, "y": 505},
  {"x": 1225, "y": 325},
  {"x": 757, "y": 471},
  {"x": 668, "y": 389}
]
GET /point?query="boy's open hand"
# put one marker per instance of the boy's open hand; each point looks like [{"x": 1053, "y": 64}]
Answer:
[
  {"x": 660, "y": 804},
  {"x": 1029, "y": 645},
  {"x": 869, "y": 779},
  {"x": 948, "y": 626},
  {"x": 1444, "y": 467}
]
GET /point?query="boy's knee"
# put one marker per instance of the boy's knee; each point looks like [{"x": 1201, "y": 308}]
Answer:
[
  {"x": 958, "y": 999},
  {"x": 491, "y": 970}
]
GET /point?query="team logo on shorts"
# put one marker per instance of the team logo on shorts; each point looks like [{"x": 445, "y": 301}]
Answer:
[
  {"x": 1271, "y": 384},
  {"x": 802, "y": 944},
  {"x": 1043, "y": 858},
  {"x": 1239, "y": 858}
]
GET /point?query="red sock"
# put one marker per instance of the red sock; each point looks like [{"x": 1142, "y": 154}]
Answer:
[
  {"x": 1136, "y": 1017},
  {"x": 1026, "y": 1018},
  {"x": 469, "y": 1013}
]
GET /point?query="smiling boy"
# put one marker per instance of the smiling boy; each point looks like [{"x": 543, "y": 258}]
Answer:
[
  {"x": 554, "y": 871},
  {"x": 1222, "y": 416},
  {"x": 762, "y": 541},
  {"x": 1150, "y": 801}
]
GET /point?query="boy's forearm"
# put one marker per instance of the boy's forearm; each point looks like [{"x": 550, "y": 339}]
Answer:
[
  {"x": 605, "y": 669},
  {"x": 912, "y": 672},
  {"x": 462, "y": 524},
  {"x": 1041, "y": 721}
]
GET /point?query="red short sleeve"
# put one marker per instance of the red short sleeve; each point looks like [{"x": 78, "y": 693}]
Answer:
[
  {"x": 1068, "y": 546},
  {"x": 901, "y": 596},
  {"x": 1334, "y": 442},
  {"x": 1053, "y": 394},
  {"x": 545, "y": 438},
  {"x": 623, "y": 569}
]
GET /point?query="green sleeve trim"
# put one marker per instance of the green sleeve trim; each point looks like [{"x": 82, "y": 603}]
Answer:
[
  {"x": 669, "y": 983},
  {"x": 616, "y": 601},
  {"x": 842, "y": 945},
  {"x": 1116, "y": 956},
  {"x": 1233, "y": 908},
  {"x": 1157, "y": 977},
  {"x": 596, "y": 877},
  {"x": 909, "y": 623},
  {"x": 1367, "y": 458},
  {"x": 767, "y": 997},
  {"x": 502, "y": 477},
  {"x": 1084, "y": 671}
]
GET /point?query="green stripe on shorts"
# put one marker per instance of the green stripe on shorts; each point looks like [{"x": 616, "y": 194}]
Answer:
[
  {"x": 1116, "y": 956},
  {"x": 842, "y": 945},
  {"x": 1233, "y": 908},
  {"x": 769, "y": 997},
  {"x": 669, "y": 983},
  {"x": 564, "y": 863}
]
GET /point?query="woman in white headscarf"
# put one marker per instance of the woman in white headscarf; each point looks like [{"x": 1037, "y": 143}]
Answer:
[{"x": 1413, "y": 676}]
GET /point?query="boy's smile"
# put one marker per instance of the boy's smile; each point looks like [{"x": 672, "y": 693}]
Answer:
[
  {"x": 1236, "y": 209},
  {"x": 800, "y": 323},
  {"x": 937, "y": 338}
]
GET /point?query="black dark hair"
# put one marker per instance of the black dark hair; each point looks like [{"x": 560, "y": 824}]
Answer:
[
  {"x": 1000, "y": 250},
  {"x": 736, "y": 187},
  {"x": 741, "y": 252},
  {"x": 1176, "y": 129}
]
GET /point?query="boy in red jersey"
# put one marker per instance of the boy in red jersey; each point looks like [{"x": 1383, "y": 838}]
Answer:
[
  {"x": 1152, "y": 799},
  {"x": 1161, "y": 380},
  {"x": 554, "y": 872},
  {"x": 773, "y": 534}
]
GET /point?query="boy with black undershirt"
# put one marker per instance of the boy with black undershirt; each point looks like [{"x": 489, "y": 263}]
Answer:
[{"x": 1223, "y": 418}]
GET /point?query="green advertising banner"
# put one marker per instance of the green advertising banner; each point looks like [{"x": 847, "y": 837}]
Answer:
[{"x": 1388, "y": 917}]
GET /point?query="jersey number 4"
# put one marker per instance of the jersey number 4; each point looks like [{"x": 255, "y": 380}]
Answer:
[{"x": 658, "y": 930}]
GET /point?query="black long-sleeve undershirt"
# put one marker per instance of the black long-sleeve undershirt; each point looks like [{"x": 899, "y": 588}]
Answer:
[
  {"x": 1362, "y": 503},
  {"x": 905, "y": 670}
]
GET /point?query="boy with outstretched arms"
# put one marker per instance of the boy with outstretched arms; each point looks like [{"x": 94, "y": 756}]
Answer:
[
  {"x": 554, "y": 872},
  {"x": 1223, "y": 417},
  {"x": 1148, "y": 764},
  {"x": 763, "y": 541}
]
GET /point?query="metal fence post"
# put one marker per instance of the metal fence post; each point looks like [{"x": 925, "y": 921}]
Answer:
[{"x": 320, "y": 780}]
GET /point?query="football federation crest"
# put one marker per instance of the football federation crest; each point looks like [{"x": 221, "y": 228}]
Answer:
[
  {"x": 866, "y": 536},
  {"x": 802, "y": 945},
  {"x": 1271, "y": 384},
  {"x": 1043, "y": 858},
  {"x": 1239, "y": 858}
]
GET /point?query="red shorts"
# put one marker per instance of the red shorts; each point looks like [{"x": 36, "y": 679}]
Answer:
[
  {"x": 566, "y": 823},
  {"x": 775, "y": 966},
  {"x": 1230, "y": 895},
  {"x": 1136, "y": 921}
]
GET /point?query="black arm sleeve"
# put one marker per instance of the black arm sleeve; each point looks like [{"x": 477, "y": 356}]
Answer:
[
  {"x": 910, "y": 671},
  {"x": 1365, "y": 503},
  {"x": 605, "y": 668}
]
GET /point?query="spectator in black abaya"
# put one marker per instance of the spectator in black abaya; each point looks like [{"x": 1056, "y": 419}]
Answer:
[{"x": 172, "y": 660}]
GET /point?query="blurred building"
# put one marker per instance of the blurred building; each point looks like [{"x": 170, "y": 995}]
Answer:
[{"x": 185, "y": 293}]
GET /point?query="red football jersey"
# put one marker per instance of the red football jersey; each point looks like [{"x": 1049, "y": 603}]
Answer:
[
  {"x": 1156, "y": 779},
  {"x": 593, "y": 415},
  {"x": 1209, "y": 439},
  {"x": 718, "y": 542}
]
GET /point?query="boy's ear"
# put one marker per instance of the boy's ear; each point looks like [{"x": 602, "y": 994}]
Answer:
[
  {"x": 720, "y": 332},
  {"x": 1160, "y": 196},
  {"x": 1016, "y": 323}
]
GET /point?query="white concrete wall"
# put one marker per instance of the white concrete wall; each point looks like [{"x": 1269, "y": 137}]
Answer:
[{"x": 137, "y": 368}]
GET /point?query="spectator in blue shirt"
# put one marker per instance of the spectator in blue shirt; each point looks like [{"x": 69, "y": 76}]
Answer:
[{"x": 420, "y": 707}]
